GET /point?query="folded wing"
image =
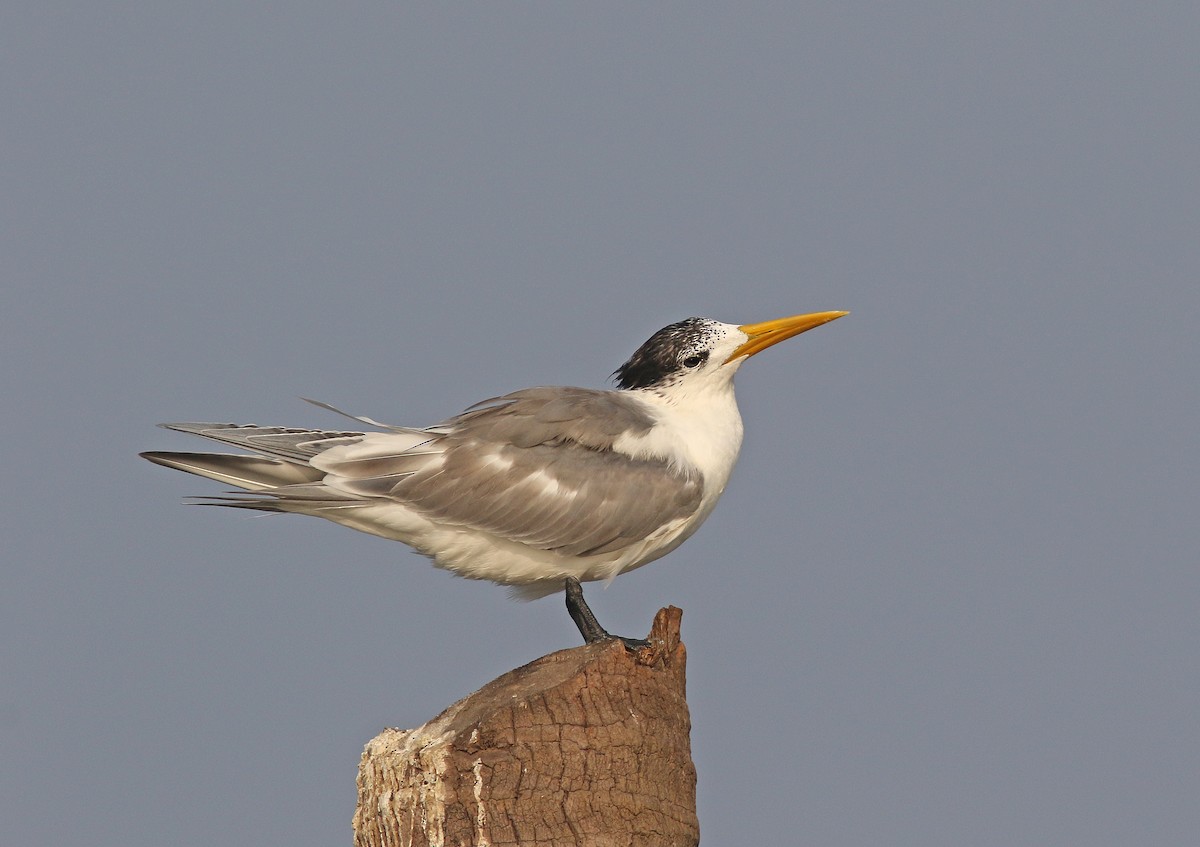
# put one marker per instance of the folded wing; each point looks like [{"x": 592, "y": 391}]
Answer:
[{"x": 536, "y": 467}]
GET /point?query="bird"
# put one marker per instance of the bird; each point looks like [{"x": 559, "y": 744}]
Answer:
[{"x": 540, "y": 489}]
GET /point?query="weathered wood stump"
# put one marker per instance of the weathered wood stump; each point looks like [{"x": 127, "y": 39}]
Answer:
[{"x": 588, "y": 746}]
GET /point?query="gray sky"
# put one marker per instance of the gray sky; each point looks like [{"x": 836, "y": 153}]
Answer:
[{"x": 951, "y": 594}]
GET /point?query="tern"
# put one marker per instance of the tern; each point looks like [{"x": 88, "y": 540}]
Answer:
[{"x": 540, "y": 489}]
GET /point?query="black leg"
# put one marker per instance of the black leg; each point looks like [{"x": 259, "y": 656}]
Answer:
[{"x": 589, "y": 627}]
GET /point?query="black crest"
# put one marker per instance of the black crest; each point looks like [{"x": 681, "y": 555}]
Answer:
[{"x": 664, "y": 353}]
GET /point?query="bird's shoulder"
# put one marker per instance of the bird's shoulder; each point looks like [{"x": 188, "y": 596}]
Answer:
[{"x": 553, "y": 415}]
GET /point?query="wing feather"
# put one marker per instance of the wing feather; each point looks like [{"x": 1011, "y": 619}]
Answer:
[
  {"x": 536, "y": 466},
  {"x": 294, "y": 445}
]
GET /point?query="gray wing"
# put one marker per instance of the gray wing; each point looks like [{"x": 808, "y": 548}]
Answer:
[
  {"x": 553, "y": 415},
  {"x": 535, "y": 467}
]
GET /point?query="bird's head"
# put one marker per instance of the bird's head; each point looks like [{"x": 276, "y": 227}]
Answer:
[{"x": 701, "y": 350}]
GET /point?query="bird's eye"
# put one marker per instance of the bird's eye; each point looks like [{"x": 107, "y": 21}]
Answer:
[{"x": 694, "y": 361}]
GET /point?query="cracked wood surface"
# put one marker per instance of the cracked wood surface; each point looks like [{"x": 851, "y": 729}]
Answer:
[{"x": 588, "y": 746}]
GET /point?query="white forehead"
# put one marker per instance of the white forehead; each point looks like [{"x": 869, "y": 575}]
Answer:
[
  {"x": 709, "y": 334},
  {"x": 719, "y": 337}
]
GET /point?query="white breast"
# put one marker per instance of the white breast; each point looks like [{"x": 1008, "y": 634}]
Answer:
[{"x": 696, "y": 432}]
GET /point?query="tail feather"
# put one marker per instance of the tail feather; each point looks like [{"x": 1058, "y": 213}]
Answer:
[{"x": 304, "y": 498}]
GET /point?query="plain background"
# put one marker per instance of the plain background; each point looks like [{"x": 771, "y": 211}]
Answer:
[{"x": 951, "y": 594}]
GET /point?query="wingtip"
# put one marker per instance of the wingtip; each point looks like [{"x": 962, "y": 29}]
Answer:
[{"x": 164, "y": 458}]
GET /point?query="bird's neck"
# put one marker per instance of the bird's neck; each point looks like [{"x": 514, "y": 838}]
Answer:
[{"x": 697, "y": 432}]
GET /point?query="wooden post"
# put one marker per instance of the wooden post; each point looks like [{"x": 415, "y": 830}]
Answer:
[{"x": 588, "y": 746}]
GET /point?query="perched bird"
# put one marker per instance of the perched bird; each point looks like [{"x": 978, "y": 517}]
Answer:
[{"x": 539, "y": 489}]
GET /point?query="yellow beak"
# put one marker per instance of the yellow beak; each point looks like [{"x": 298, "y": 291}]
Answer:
[{"x": 765, "y": 334}]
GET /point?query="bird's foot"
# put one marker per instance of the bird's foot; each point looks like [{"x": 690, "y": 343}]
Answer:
[{"x": 589, "y": 627}]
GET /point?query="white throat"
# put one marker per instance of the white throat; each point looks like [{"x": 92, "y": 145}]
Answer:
[{"x": 698, "y": 429}]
